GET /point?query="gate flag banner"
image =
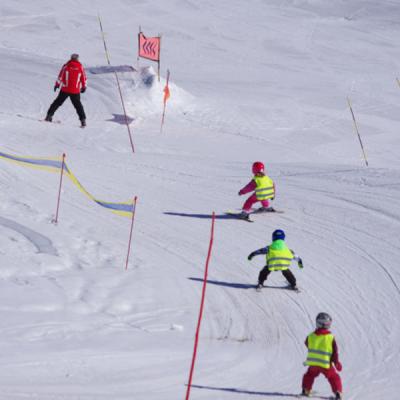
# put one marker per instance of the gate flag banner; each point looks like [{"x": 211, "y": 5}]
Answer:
[
  {"x": 149, "y": 47},
  {"x": 55, "y": 165}
]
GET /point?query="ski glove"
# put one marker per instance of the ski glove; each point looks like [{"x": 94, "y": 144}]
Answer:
[
  {"x": 55, "y": 88},
  {"x": 300, "y": 263},
  {"x": 83, "y": 90},
  {"x": 250, "y": 256},
  {"x": 338, "y": 366}
]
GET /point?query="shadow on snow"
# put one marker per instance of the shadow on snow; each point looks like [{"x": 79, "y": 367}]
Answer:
[
  {"x": 252, "y": 392},
  {"x": 202, "y": 216},
  {"x": 120, "y": 119},
  {"x": 236, "y": 285}
]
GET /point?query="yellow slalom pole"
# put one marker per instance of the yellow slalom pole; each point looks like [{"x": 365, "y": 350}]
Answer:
[
  {"x": 118, "y": 84},
  {"x": 104, "y": 40},
  {"x": 358, "y": 133}
]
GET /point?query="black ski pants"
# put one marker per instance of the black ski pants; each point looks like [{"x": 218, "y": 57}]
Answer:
[
  {"x": 75, "y": 99},
  {"x": 287, "y": 273}
]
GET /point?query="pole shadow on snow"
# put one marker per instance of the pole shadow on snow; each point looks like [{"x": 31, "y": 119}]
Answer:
[
  {"x": 120, "y": 119},
  {"x": 201, "y": 216},
  {"x": 251, "y": 392},
  {"x": 236, "y": 285},
  {"x": 108, "y": 69}
]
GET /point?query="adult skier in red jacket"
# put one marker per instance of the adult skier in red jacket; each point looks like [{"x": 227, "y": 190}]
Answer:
[{"x": 72, "y": 82}]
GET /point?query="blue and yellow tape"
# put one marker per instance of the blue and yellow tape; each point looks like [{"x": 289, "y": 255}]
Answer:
[{"x": 54, "y": 165}]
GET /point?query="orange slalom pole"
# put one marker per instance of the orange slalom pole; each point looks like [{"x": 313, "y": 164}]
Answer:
[{"x": 166, "y": 97}]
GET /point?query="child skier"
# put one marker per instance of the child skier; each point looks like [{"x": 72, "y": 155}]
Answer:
[
  {"x": 263, "y": 187},
  {"x": 322, "y": 357},
  {"x": 278, "y": 258}
]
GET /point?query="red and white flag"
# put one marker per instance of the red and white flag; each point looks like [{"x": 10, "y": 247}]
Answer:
[{"x": 149, "y": 47}]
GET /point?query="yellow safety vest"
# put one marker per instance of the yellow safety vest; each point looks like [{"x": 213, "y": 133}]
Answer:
[
  {"x": 264, "y": 187},
  {"x": 279, "y": 256},
  {"x": 320, "y": 349}
]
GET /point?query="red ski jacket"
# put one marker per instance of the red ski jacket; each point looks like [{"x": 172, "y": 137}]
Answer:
[{"x": 72, "y": 77}]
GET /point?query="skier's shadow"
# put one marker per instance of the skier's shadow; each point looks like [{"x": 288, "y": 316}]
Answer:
[
  {"x": 251, "y": 392},
  {"x": 226, "y": 284},
  {"x": 237, "y": 285},
  {"x": 201, "y": 216}
]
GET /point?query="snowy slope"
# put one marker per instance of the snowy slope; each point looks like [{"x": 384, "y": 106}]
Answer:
[{"x": 257, "y": 81}]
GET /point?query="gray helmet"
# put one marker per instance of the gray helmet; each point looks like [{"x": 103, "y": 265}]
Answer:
[
  {"x": 74, "y": 56},
  {"x": 323, "y": 320}
]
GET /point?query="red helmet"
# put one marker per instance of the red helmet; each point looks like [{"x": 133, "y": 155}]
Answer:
[{"x": 258, "y": 167}]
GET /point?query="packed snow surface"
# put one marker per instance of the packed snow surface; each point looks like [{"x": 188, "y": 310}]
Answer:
[{"x": 254, "y": 80}]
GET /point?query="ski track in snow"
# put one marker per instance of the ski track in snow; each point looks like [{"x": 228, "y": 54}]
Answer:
[{"x": 40, "y": 242}]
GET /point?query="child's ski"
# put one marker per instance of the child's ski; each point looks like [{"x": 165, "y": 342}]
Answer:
[
  {"x": 239, "y": 215},
  {"x": 263, "y": 210},
  {"x": 259, "y": 288},
  {"x": 37, "y": 119}
]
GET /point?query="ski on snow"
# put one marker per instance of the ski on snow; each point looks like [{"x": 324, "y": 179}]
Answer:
[
  {"x": 258, "y": 288},
  {"x": 57, "y": 121},
  {"x": 238, "y": 215},
  {"x": 315, "y": 395},
  {"x": 244, "y": 217},
  {"x": 38, "y": 119}
]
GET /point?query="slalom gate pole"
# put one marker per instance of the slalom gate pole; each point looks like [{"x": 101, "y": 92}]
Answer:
[
  {"x": 358, "y": 133},
  {"x": 126, "y": 117},
  {"x": 203, "y": 295},
  {"x": 130, "y": 234},
  {"x": 119, "y": 86},
  {"x": 165, "y": 102},
  {"x": 398, "y": 81},
  {"x": 104, "y": 40},
  {"x": 159, "y": 58},
  {"x": 55, "y": 220},
  {"x": 140, "y": 30}
]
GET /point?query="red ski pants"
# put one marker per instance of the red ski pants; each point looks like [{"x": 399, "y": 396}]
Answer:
[
  {"x": 251, "y": 200},
  {"x": 330, "y": 374}
]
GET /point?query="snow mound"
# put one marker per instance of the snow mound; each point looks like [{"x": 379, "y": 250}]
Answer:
[{"x": 142, "y": 91}]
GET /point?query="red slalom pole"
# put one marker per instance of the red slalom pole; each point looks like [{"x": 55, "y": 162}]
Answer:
[
  {"x": 55, "y": 220},
  {"x": 203, "y": 295},
  {"x": 130, "y": 234}
]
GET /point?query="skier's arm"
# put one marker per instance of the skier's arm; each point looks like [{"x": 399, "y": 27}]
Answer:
[
  {"x": 297, "y": 258},
  {"x": 258, "y": 252},
  {"x": 60, "y": 77},
  {"x": 83, "y": 80},
  {"x": 250, "y": 187},
  {"x": 335, "y": 356}
]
